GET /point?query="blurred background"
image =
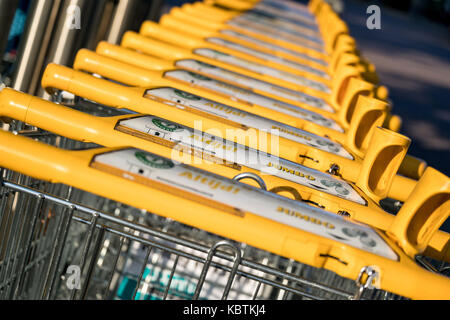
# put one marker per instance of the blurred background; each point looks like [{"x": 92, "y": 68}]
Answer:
[
  {"x": 411, "y": 52},
  {"x": 412, "y": 55}
]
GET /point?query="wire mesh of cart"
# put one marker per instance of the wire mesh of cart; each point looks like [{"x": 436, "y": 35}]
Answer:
[{"x": 58, "y": 242}]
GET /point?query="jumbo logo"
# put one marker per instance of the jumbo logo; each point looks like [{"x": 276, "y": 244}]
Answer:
[
  {"x": 154, "y": 161},
  {"x": 291, "y": 171},
  {"x": 166, "y": 125}
]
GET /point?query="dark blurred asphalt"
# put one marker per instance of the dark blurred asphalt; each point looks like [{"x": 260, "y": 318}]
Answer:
[{"x": 412, "y": 57}]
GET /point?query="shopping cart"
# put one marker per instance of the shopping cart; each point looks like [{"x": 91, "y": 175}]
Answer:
[{"x": 58, "y": 242}]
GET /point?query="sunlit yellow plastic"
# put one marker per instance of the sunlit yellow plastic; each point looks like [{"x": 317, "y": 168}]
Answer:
[
  {"x": 115, "y": 95},
  {"x": 132, "y": 40},
  {"x": 218, "y": 14},
  {"x": 233, "y": 5},
  {"x": 168, "y": 31},
  {"x": 94, "y": 63},
  {"x": 367, "y": 119},
  {"x": 103, "y": 131},
  {"x": 259, "y": 31},
  {"x": 330, "y": 25},
  {"x": 198, "y": 19},
  {"x": 86, "y": 60},
  {"x": 212, "y": 10},
  {"x": 134, "y": 58},
  {"x": 362, "y": 125},
  {"x": 170, "y": 22},
  {"x": 166, "y": 51},
  {"x": 314, "y": 5},
  {"x": 156, "y": 31},
  {"x": 190, "y": 12},
  {"x": 183, "y": 24},
  {"x": 420, "y": 218},
  {"x": 45, "y": 162},
  {"x": 278, "y": 14},
  {"x": 81, "y": 126},
  {"x": 221, "y": 14}
]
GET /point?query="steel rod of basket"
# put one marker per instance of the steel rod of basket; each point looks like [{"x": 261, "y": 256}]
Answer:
[
  {"x": 250, "y": 264},
  {"x": 87, "y": 246},
  {"x": 116, "y": 259},
  {"x": 141, "y": 274},
  {"x": 169, "y": 282},
  {"x": 252, "y": 176},
  {"x": 58, "y": 250},
  {"x": 92, "y": 263},
  {"x": 21, "y": 202},
  {"x": 40, "y": 202},
  {"x": 211, "y": 253},
  {"x": 33, "y": 44},
  {"x": 219, "y": 266}
]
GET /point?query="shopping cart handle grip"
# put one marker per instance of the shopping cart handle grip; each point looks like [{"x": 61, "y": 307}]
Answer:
[
  {"x": 174, "y": 23},
  {"x": 381, "y": 163},
  {"x": 118, "y": 53},
  {"x": 156, "y": 31},
  {"x": 347, "y": 86},
  {"x": 369, "y": 114},
  {"x": 133, "y": 40},
  {"x": 426, "y": 209}
]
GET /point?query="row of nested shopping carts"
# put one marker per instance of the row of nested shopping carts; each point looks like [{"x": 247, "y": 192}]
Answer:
[{"x": 237, "y": 149}]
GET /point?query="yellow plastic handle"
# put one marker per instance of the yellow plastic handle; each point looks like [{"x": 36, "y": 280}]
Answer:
[
  {"x": 132, "y": 40},
  {"x": 233, "y": 4},
  {"x": 346, "y": 88},
  {"x": 426, "y": 209},
  {"x": 105, "y": 131},
  {"x": 382, "y": 161},
  {"x": 258, "y": 31},
  {"x": 207, "y": 22},
  {"x": 201, "y": 6},
  {"x": 413, "y": 167},
  {"x": 76, "y": 168},
  {"x": 369, "y": 114},
  {"x": 87, "y": 60},
  {"x": 362, "y": 126},
  {"x": 119, "y": 53},
  {"x": 102, "y": 130},
  {"x": 155, "y": 30},
  {"x": 63, "y": 78},
  {"x": 169, "y": 21}
]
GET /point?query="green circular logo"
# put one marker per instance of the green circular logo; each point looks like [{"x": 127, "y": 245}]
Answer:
[
  {"x": 186, "y": 95},
  {"x": 199, "y": 76},
  {"x": 165, "y": 125},
  {"x": 154, "y": 161}
]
